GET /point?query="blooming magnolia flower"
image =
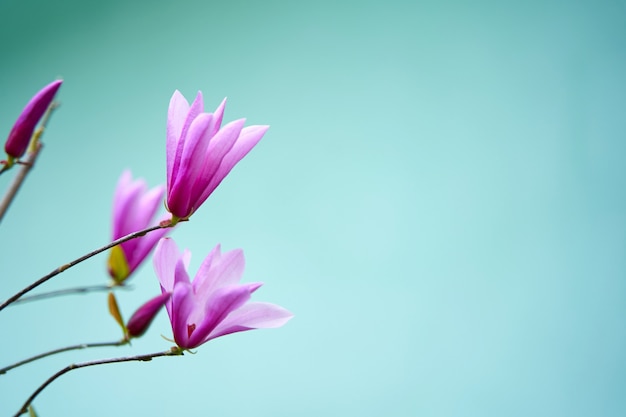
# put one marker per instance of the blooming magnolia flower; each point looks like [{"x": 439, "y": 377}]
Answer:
[
  {"x": 214, "y": 304},
  {"x": 141, "y": 320},
  {"x": 134, "y": 208},
  {"x": 200, "y": 152},
  {"x": 23, "y": 129}
]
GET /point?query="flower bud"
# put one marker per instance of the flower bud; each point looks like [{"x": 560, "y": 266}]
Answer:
[
  {"x": 134, "y": 209},
  {"x": 22, "y": 131},
  {"x": 140, "y": 321}
]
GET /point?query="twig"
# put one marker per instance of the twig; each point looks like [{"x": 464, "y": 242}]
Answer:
[
  {"x": 67, "y": 291},
  {"x": 62, "y": 268},
  {"x": 33, "y": 152},
  {"x": 60, "y": 350},
  {"x": 19, "y": 180},
  {"x": 175, "y": 351}
]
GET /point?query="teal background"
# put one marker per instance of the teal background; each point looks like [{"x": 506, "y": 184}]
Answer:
[{"x": 440, "y": 201}]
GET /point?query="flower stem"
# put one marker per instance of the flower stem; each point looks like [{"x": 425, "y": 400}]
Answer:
[
  {"x": 33, "y": 152},
  {"x": 175, "y": 351},
  {"x": 19, "y": 180},
  {"x": 63, "y": 349},
  {"x": 74, "y": 290},
  {"x": 62, "y": 268}
]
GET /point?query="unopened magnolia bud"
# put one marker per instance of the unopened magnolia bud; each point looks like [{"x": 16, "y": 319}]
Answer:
[
  {"x": 140, "y": 321},
  {"x": 23, "y": 129}
]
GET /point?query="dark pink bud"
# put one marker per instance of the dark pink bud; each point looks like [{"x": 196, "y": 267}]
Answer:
[
  {"x": 140, "y": 321},
  {"x": 22, "y": 131}
]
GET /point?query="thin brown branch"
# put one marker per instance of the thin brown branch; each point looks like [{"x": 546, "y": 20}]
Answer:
[
  {"x": 69, "y": 291},
  {"x": 175, "y": 351},
  {"x": 67, "y": 266},
  {"x": 60, "y": 350},
  {"x": 25, "y": 168},
  {"x": 34, "y": 149}
]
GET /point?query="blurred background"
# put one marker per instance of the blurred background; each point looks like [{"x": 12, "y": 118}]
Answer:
[{"x": 440, "y": 201}]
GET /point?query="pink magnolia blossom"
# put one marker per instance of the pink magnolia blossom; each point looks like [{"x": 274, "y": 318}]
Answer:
[
  {"x": 134, "y": 209},
  {"x": 214, "y": 304},
  {"x": 23, "y": 129},
  {"x": 142, "y": 318},
  {"x": 201, "y": 152}
]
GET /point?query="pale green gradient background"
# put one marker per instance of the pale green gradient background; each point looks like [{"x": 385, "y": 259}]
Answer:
[{"x": 440, "y": 201}]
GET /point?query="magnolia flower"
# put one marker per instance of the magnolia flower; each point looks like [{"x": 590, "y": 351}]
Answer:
[
  {"x": 134, "y": 209},
  {"x": 22, "y": 131},
  {"x": 200, "y": 153},
  {"x": 214, "y": 304}
]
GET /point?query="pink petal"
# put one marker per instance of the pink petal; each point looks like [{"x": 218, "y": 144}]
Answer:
[
  {"x": 219, "y": 146},
  {"x": 165, "y": 259},
  {"x": 186, "y": 258},
  {"x": 252, "y": 316},
  {"x": 140, "y": 215},
  {"x": 126, "y": 192},
  {"x": 203, "y": 273},
  {"x": 180, "y": 117},
  {"x": 149, "y": 203},
  {"x": 179, "y": 194},
  {"x": 143, "y": 207},
  {"x": 248, "y": 138},
  {"x": 147, "y": 243},
  {"x": 180, "y": 274},
  {"x": 182, "y": 303},
  {"x": 176, "y": 115},
  {"x": 223, "y": 301},
  {"x": 120, "y": 202},
  {"x": 218, "y": 115},
  {"x": 216, "y": 272}
]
